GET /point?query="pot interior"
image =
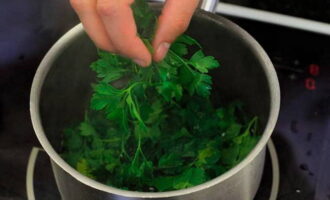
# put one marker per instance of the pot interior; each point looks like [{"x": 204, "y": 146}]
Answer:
[{"x": 67, "y": 88}]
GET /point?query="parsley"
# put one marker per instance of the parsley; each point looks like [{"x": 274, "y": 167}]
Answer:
[{"x": 155, "y": 128}]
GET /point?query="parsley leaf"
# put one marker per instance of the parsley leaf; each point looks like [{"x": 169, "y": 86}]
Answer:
[
  {"x": 201, "y": 85},
  {"x": 82, "y": 167},
  {"x": 86, "y": 129},
  {"x": 144, "y": 18},
  {"x": 190, "y": 177},
  {"x": 203, "y": 63}
]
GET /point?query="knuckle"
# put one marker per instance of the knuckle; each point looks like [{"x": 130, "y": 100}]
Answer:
[{"x": 106, "y": 9}]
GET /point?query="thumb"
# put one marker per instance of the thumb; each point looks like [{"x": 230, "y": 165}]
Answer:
[{"x": 174, "y": 20}]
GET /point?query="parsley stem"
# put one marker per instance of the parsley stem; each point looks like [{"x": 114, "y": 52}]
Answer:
[
  {"x": 139, "y": 150},
  {"x": 251, "y": 123},
  {"x": 136, "y": 68},
  {"x": 132, "y": 86},
  {"x": 181, "y": 60},
  {"x": 123, "y": 136}
]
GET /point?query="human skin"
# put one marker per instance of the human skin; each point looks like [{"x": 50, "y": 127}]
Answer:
[{"x": 111, "y": 26}]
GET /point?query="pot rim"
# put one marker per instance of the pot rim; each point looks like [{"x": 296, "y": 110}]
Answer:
[{"x": 76, "y": 31}]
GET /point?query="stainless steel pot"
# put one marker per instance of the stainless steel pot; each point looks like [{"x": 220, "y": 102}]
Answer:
[{"x": 61, "y": 90}]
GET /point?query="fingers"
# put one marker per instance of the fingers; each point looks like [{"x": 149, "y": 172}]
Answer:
[
  {"x": 86, "y": 10},
  {"x": 118, "y": 20},
  {"x": 111, "y": 26},
  {"x": 174, "y": 20}
]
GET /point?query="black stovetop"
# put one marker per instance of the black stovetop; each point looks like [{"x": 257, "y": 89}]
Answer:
[
  {"x": 301, "y": 137},
  {"x": 302, "y": 134}
]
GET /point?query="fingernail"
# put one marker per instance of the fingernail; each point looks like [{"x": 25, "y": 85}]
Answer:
[
  {"x": 140, "y": 62},
  {"x": 162, "y": 50}
]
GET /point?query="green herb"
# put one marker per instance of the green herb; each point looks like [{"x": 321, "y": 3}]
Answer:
[{"x": 155, "y": 128}]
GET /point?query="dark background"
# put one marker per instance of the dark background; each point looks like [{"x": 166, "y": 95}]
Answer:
[
  {"x": 28, "y": 28},
  {"x": 311, "y": 9}
]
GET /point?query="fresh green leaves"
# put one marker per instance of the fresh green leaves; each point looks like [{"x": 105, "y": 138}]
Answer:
[
  {"x": 203, "y": 63},
  {"x": 170, "y": 90},
  {"x": 187, "y": 40},
  {"x": 155, "y": 128},
  {"x": 144, "y": 18},
  {"x": 179, "y": 48},
  {"x": 86, "y": 129},
  {"x": 170, "y": 160},
  {"x": 201, "y": 85},
  {"x": 82, "y": 167},
  {"x": 169, "y": 152},
  {"x": 190, "y": 177},
  {"x": 208, "y": 155},
  {"x": 104, "y": 67},
  {"x": 106, "y": 98}
]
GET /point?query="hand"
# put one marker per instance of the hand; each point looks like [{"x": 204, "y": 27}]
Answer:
[{"x": 110, "y": 24}]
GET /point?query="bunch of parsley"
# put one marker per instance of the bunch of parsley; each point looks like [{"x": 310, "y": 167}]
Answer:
[{"x": 155, "y": 128}]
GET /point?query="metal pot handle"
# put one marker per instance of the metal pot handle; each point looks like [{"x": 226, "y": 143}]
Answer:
[{"x": 207, "y": 5}]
